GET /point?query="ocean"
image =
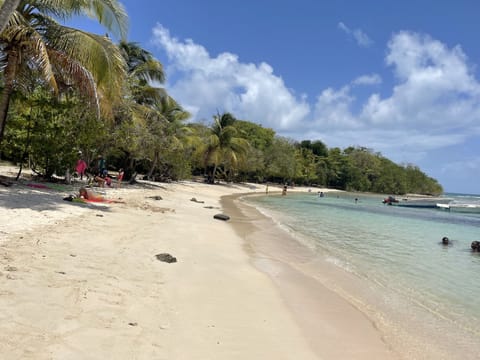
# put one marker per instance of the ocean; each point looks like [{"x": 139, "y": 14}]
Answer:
[{"x": 415, "y": 289}]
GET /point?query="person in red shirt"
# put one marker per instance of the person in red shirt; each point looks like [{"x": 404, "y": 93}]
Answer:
[{"x": 81, "y": 166}]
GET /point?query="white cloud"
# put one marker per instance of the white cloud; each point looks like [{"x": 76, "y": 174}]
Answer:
[
  {"x": 361, "y": 38},
  {"x": 332, "y": 110},
  {"x": 373, "y": 79},
  {"x": 436, "y": 89},
  {"x": 223, "y": 83},
  {"x": 344, "y": 27}
]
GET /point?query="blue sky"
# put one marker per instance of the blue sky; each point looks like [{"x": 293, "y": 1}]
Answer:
[{"x": 399, "y": 77}]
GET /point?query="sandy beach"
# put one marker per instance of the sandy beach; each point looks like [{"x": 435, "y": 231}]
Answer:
[{"x": 82, "y": 281}]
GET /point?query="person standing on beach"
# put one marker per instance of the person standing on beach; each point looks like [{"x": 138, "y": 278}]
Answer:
[
  {"x": 284, "y": 191},
  {"x": 101, "y": 165},
  {"x": 121, "y": 173},
  {"x": 81, "y": 166}
]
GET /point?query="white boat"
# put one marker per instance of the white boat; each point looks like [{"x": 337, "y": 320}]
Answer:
[
  {"x": 417, "y": 202},
  {"x": 460, "y": 207}
]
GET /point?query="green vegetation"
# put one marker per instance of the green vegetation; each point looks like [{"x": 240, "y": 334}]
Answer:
[{"x": 65, "y": 90}]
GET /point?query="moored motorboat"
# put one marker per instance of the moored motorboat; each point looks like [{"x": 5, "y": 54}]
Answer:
[
  {"x": 460, "y": 207},
  {"x": 417, "y": 202}
]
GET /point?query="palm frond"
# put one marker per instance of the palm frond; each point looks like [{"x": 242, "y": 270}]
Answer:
[
  {"x": 73, "y": 74},
  {"x": 97, "y": 54},
  {"x": 109, "y": 13},
  {"x": 141, "y": 63},
  {"x": 151, "y": 70},
  {"x": 31, "y": 49}
]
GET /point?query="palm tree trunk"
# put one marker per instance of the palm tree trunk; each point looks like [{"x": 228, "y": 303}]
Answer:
[
  {"x": 6, "y": 10},
  {"x": 153, "y": 167},
  {"x": 10, "y": 72},
  {"x": 214, "y": 172},
  {"x": 27, "y": 145}
]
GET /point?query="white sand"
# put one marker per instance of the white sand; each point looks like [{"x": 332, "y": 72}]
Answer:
[{"x": 82, "y": 282}]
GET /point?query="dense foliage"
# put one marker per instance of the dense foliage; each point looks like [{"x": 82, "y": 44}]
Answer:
[{"x": 140, "y": 128}]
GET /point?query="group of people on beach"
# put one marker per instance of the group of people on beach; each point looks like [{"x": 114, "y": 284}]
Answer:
[
  {"x": 100, "y": 172},
  {"x": 99, "y": 177}
]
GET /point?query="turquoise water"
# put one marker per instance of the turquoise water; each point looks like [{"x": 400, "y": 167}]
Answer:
[{"x": 396, "y": 252}]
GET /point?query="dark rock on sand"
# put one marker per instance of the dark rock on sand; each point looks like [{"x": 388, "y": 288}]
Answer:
[
  {"x": 197, "y": 201},
  {"x": 221, "y": 217},
  {"x": 166, "y": 258},
  {"x": 156, "y": 197}
]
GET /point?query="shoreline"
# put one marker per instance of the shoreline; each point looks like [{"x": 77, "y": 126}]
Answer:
[
  {"x": 405, "y": 336},
  {"x": 325, "y": 317}
]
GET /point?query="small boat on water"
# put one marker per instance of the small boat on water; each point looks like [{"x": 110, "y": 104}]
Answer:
[
  {"x": 417, "y": 202},
  {"x": 460, "y": 207}
]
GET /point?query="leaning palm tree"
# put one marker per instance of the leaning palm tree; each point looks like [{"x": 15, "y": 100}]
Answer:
[
  {"x": 139, "y": 105},
  {"x": 168, "y": 132},
  {"x": 33, "y": 41},
  {"x": 223, "y": 146}
]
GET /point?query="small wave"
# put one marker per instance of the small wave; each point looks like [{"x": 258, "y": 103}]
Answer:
[{"x": 340, "y": 263}]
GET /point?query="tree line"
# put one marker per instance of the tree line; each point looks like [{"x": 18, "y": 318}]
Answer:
[{"x": 64, "y": 90}]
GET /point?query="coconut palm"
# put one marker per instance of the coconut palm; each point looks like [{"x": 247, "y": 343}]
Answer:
[
  {"x": 167, "y": 130},
  {"x": 143, "y": 70},
  {"x": 33, "y": 42},
  {"x": 140, "y": 63},
  {"x": 223, "y": 146},
  {"x": 134, "y": 118}
]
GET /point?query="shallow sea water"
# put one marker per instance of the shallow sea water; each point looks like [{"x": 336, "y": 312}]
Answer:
[{"x": 411, "y": 281}]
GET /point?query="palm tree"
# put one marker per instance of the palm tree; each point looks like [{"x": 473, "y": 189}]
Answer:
[
  {"x": 166, "y": 125},
  {"x": 140, "y": 100},
  {"x": 65, "y": 57},
  {"x": 141, "y": 64},
  {"x": 142, "y": 70},
  {"x": 223, "y": 146}
]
